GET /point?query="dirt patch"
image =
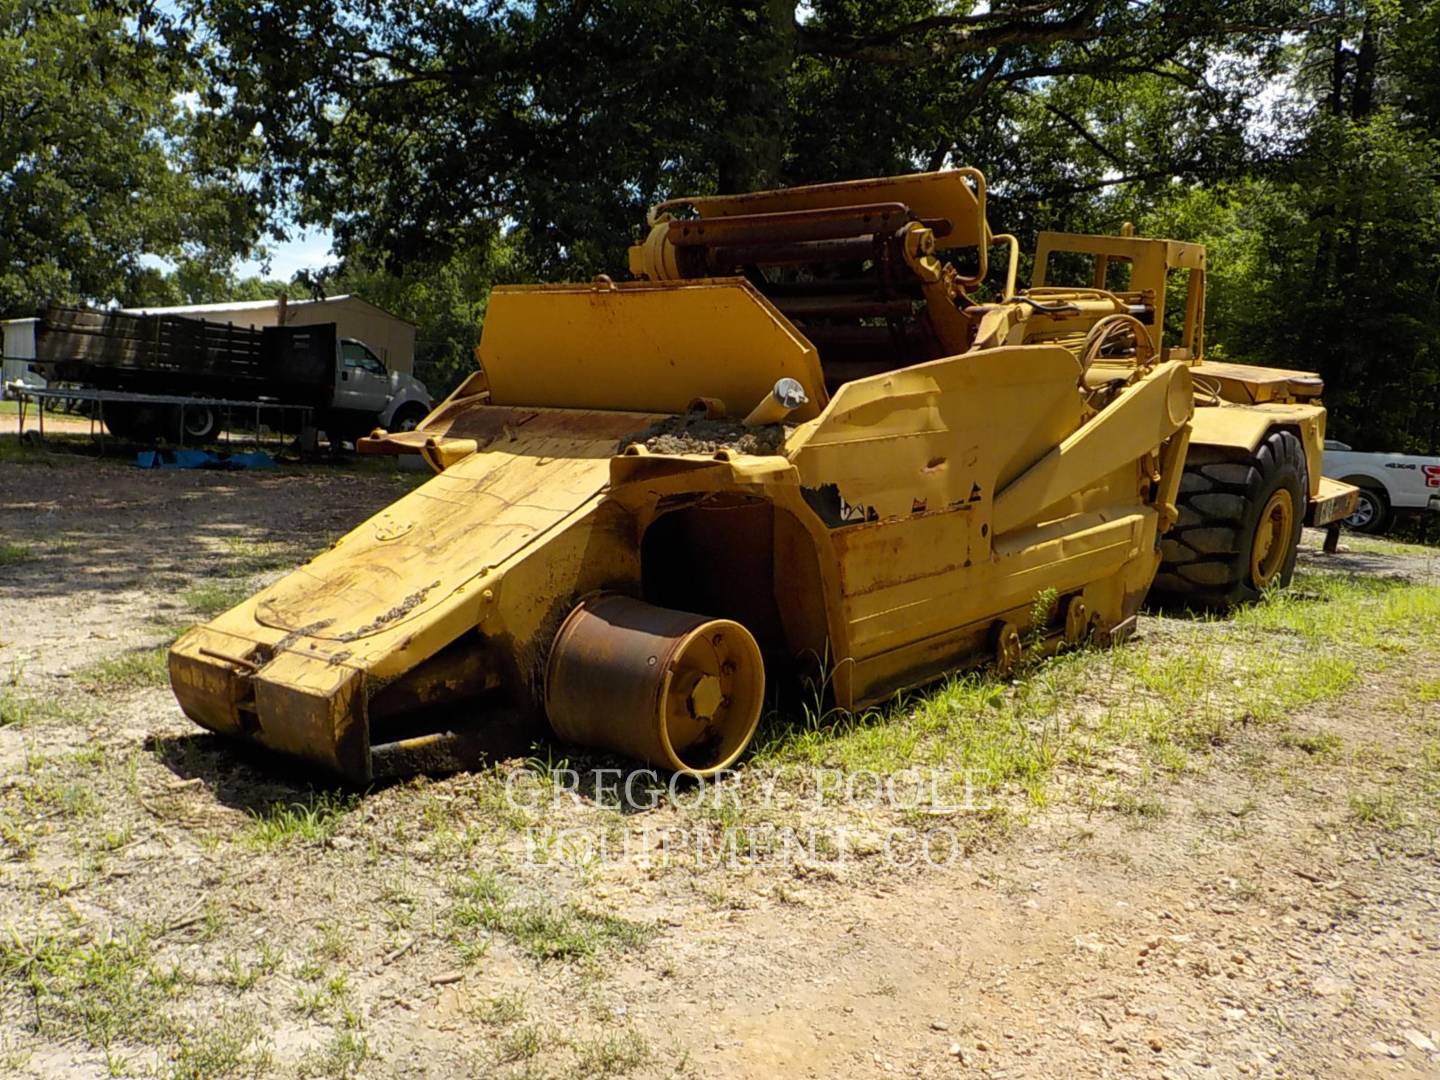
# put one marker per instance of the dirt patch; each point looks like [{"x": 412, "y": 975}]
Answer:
[{"x": 1209, "y": 853}]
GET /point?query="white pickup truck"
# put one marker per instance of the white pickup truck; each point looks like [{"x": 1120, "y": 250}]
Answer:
[
  {"x": 1388, "y": 483},
  {"x": 368, "y": 394}
]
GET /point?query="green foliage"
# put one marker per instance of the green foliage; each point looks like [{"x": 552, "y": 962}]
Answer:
[
  {"x": 419, "y": 130},
  {"x": 192, "y": 282},
  {"x": 1326, "y": 256},
  {"x": 445, "y": 300},
  {"x": 102, "y": 159}
]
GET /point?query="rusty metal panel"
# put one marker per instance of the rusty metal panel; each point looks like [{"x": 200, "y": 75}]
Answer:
[
  {"x": 314, "y": 709},
  {"x": 1333, "y": 501},
  {"x": 895, "y": 622},
  {"x": 940, "y": 435},
  {"x": 954, "y": 195},
  {"x": 208, "y": 688},
  {"x": 937, "y": 589}
]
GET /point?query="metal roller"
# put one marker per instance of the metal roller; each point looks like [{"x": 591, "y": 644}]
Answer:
[{"x": 677, "y": 690}]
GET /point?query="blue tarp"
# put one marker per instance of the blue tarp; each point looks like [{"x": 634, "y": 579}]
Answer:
[{"x": 202, "y": 459}]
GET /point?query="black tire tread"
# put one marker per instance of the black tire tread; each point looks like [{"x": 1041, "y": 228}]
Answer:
[{"x": 1201, "y": 564}]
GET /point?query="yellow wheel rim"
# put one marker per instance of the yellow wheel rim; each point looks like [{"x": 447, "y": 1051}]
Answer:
[{"x": 1272, "y": 538}]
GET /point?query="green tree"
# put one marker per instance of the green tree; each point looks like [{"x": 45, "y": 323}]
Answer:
[
  {"x": 195, "y": 282},
  {"x": 417, "y": 129},
  {"x": 445, "y": 300},
  {"x": 101, "y": 160},
  {"x": 1327, "y": 257}
]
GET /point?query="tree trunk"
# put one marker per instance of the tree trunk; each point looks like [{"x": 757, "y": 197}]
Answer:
[
  {"x": 1322, "y": 270},
  {"x": 1362, "y": 97}
]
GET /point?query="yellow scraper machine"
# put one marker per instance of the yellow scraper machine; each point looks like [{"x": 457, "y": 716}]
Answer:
[{"x": 801, "y": 436}]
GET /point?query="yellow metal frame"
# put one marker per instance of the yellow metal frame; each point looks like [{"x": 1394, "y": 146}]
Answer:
[
  {"x": 885, "y": 544},
  {"x": 643, "y": 346},
  {"x": 954, "y": 195},
  {"x": 1240, "y": 404},
  {"x": 904, "y": 526}
]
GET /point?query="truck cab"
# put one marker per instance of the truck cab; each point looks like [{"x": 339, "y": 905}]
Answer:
[
  {"x": 368, "y": 395},
  {"x": 1389, "y": 484}
]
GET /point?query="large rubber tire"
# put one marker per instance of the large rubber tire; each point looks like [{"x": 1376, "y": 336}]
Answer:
[
  {"x": 1239, "y": 527},
  {"x": 1372, "y": 511}
]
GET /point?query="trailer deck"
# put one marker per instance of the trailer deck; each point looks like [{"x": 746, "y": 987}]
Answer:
[{"x": 301, "y": 416}]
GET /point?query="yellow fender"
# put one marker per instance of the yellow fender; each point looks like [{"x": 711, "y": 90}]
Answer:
[{"x": 1244, "y": 427}]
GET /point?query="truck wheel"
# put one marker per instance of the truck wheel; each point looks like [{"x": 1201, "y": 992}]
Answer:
[
  {"x": 199, "y": 422},
  {"x": 134, "y": 421},
  {"x": 408, "y": 417},
  {"x": 1239, "y": 525},
  {"x": 119, "y": 420},
  {"x": 1372, "y": 510}
]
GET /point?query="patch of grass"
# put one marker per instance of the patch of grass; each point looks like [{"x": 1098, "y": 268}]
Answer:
[
  {"x": 1352, "y": 610},
  {"x": 12, "y": 553},
  {"x": 309, "y": 821},
  {"x": 611, "y": 1054},
  {"x": 341, "y": 1057},
  {"x": 248, "y": 557},
  {"x": 232, "y": 1046},
  {"x": 134, "y": 670},
  {"x": 213, "y": 598},
  {"x": 17, "y": 835},
  {"x": 310, "y": 1001},
  {"x": 23, "y": 709},
  {"x": 1424, "y": 690},
  {"x": 503, "y": 1009},
  {"x": 1297, "y": 647},
  {"x": 56, "y": 450},
  {"x": 1143, "y": 808},
  {"x": 60, "y": 795},
  {"x": 485, "y": 904},
  {"x": 522, "y": 1043},
  {"x": 1383, "y": 809},
  {"x": 332, "y": 944},
  {"x": 238, "y": 975},
  {"x": 1375, "y": 545},
  {"x": 1318, "y": 744},
  {"x": 103, "y": 990}
]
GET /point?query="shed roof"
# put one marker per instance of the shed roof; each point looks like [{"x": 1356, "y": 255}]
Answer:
[{"x": 257, "y": 305}]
